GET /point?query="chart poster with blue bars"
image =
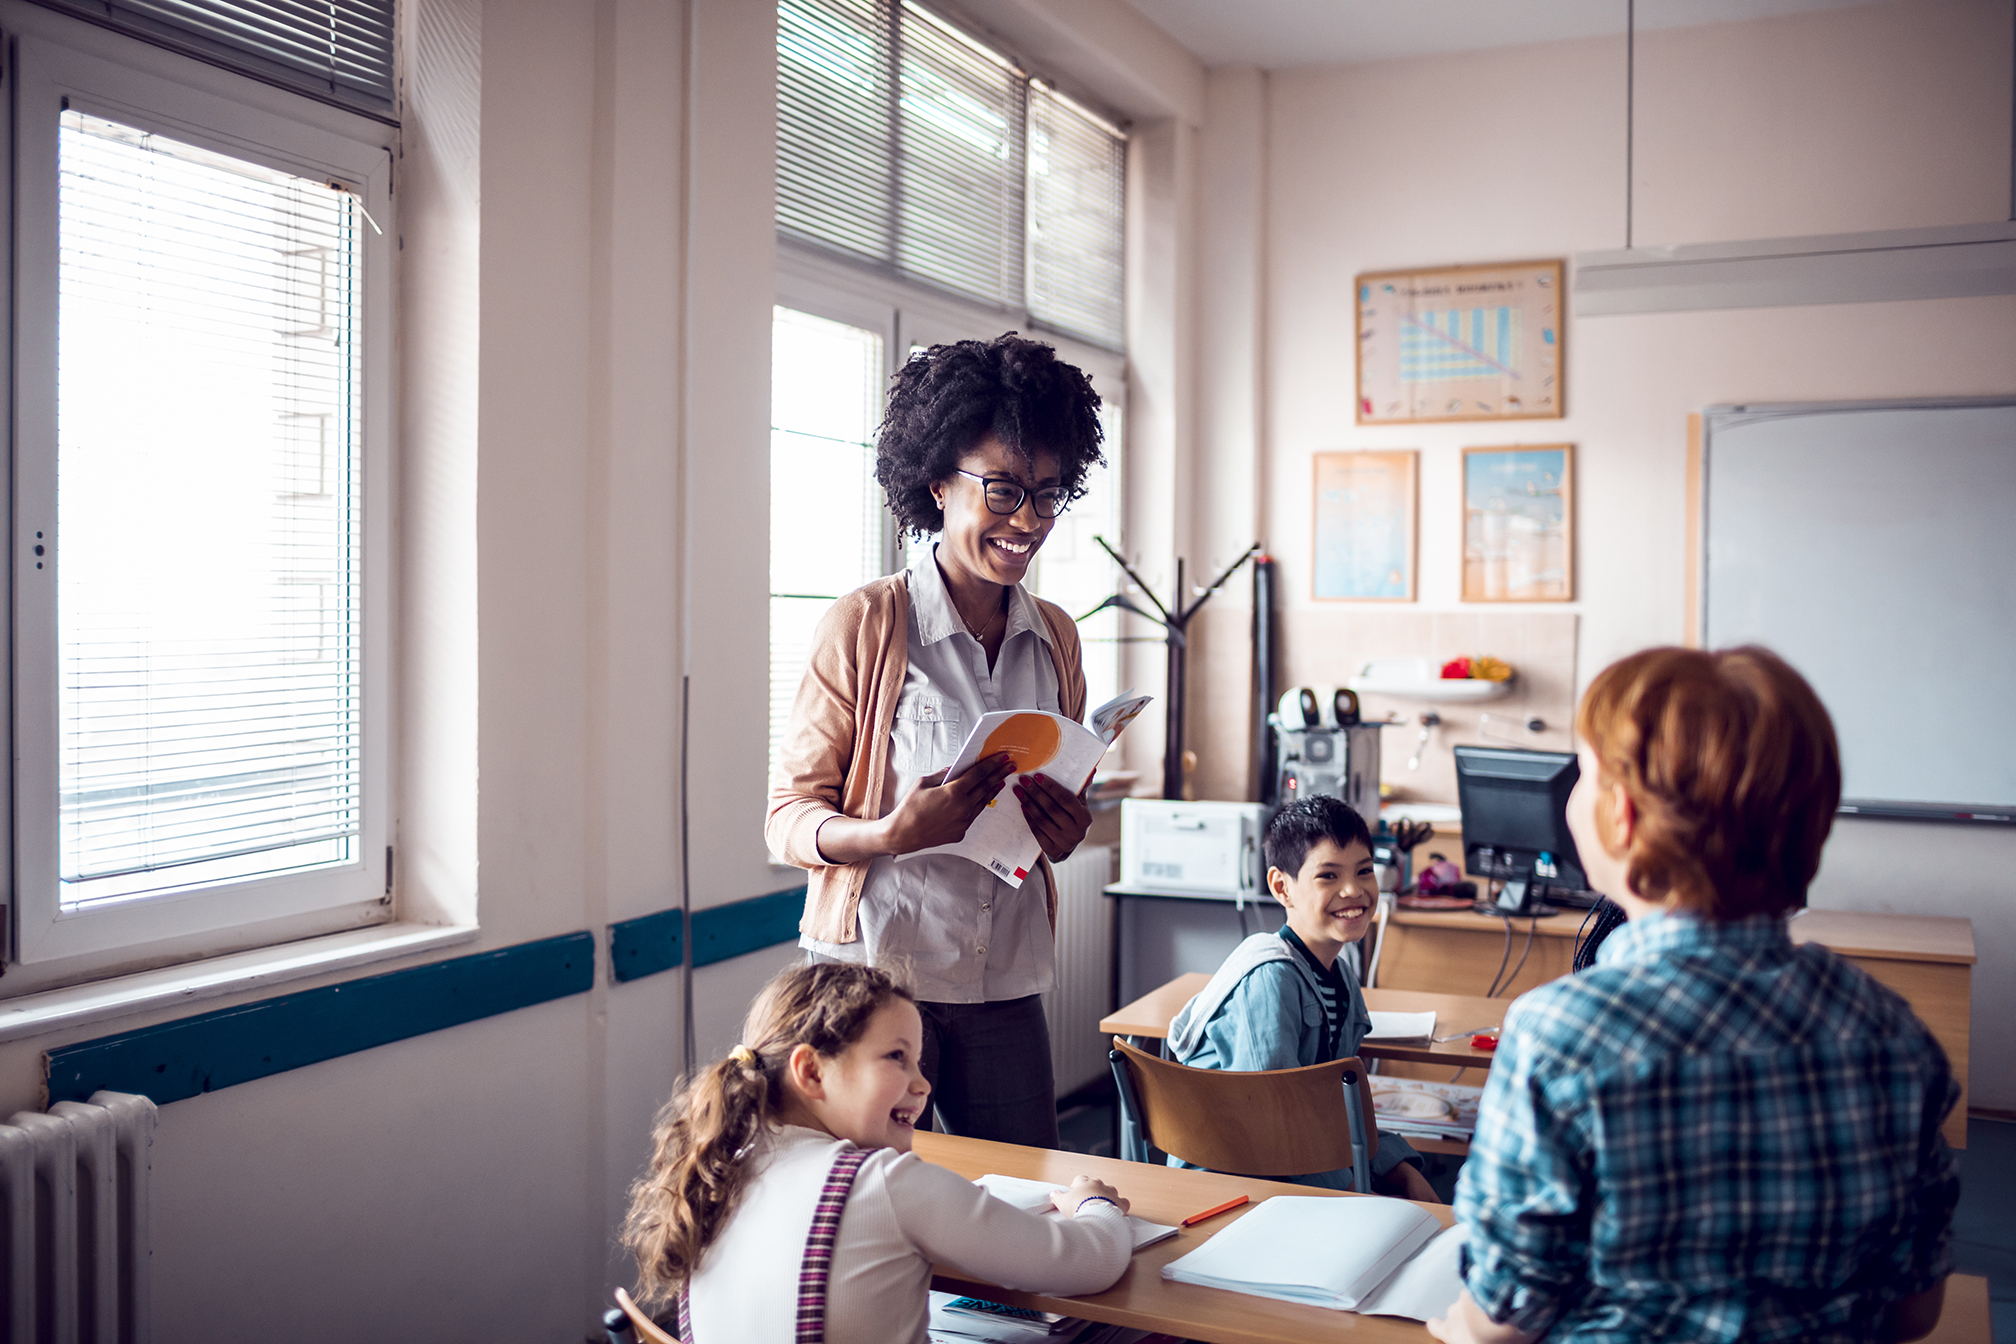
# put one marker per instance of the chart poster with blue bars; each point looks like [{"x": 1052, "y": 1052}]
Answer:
[{"x": 1461, "y": 343}]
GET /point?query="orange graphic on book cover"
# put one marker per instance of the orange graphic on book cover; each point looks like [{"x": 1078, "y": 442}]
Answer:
[{"x": 1029, "y": 739}]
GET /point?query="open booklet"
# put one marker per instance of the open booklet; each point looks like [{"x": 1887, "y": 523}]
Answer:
[
  {"x": 1378, "y": 1256},
  {"x": 1039, "y": 743},
  {"x": 1034, "y": 1197}
]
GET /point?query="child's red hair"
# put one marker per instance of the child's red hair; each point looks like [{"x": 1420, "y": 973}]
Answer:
[{"x": 1730, "y": 763}]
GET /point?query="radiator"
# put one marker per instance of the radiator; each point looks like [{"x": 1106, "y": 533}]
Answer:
[
  {"x": 1084, "y": 988},
  {"x": 74, "y": 1182}
]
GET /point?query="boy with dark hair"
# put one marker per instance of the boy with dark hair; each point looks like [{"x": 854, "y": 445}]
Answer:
[{"x": 1287, "y": 1000}]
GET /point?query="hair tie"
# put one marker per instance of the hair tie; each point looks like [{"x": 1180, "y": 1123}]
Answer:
[{"x": 746, "y": 1057}]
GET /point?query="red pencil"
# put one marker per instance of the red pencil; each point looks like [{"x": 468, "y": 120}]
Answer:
[{"x": 1214, "y": 1211}]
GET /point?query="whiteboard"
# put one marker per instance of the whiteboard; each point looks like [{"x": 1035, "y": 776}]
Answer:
[{"x": 1873, "y": 546}]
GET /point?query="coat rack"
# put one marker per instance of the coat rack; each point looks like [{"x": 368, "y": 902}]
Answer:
[{"x": 1175, "y": 622}]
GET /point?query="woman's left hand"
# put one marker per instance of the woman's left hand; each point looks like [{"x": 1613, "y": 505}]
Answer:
[{"x": 1057, "y": 816}]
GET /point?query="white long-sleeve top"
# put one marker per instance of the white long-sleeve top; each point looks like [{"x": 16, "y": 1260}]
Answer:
[{"x": 902, "y": 1216}]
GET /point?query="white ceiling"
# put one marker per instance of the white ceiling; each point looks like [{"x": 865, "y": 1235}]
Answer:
[{"x": 1277, "y": 34}]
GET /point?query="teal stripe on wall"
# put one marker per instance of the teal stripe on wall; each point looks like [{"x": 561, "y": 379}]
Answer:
[
  {"x": 174, "y": 1061},
  {"x": 177, "y": 1060},
  {"x": 740, "y": 927},
  {"x": 647, "y": 945}
]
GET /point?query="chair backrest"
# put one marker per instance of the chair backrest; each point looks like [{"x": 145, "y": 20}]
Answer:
[
  {"x": 646, "y": 1330},
  {"x": 1276, "y": 1122}
]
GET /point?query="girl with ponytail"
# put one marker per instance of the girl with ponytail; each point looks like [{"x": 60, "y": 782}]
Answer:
[{"x": 784, "y": 1204}]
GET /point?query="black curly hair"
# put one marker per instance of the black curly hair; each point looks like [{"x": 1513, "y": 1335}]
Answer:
[{"x": 949, "y": 397}]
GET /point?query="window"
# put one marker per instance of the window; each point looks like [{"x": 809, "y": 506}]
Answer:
[
  {"x": 928, "y": 190},
  {"x": 829, "y": 532},
  {"x": 1072, "y": 571},
  {"x": 906, "y": 146},
  {"x": 199, "y": 521}
]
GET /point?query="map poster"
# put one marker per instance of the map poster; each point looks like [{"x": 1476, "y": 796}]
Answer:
[
  {"x": 1365, "y": 511},
  {"x": 1461, "y": 343},
  {"x": 1519, "y": 524}
]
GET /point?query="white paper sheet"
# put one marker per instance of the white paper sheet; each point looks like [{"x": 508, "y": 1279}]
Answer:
[
  {"x": 1426, "y": 1285},
  {"x": 1401, "y": 1026},
  {"x": 1034, "y": 1197}
]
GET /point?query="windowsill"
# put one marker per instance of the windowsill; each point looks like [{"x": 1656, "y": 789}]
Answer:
[{"x": 193, "y": 982}]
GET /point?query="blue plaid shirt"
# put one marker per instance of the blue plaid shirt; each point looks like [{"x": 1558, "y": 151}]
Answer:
[{"x": 1710, "y": 1134}]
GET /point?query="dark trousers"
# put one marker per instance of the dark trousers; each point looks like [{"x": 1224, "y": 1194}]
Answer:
[{"x": 989, "y": 1069}]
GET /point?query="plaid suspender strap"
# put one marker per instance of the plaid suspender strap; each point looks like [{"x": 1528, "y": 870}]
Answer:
[
  {"x": 818, "y": 1261},
  {"x": 819, "y": 1246}
]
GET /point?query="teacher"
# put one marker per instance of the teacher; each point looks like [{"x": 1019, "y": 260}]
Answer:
[{"x": 984, "y": 443}]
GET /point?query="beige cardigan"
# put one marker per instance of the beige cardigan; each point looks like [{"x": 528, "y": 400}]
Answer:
[{"x": 848, "y": 697}]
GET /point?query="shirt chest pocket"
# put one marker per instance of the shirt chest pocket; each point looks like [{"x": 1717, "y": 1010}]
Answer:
[{"x": 927, "y": 735}]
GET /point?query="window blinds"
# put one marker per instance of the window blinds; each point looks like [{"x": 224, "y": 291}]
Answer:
[
  {"x": 340, "y": 50},
  {"x": 959, "y": 164},
  {"x": 1077, "y": 181},
  {"x": 208, "y": 516},
  {"x": 905, "y": 144},
  {"x": 834, "y": 131}
]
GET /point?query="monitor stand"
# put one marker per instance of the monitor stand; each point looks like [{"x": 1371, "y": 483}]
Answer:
[{"x": 1519, "y": 897}]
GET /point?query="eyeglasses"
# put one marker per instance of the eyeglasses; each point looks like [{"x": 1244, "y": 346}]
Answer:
[{"x": 1005, "y": 497}]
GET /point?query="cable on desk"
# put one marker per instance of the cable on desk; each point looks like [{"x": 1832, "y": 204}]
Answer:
[
  {"x": 1532, "y": 923},
  {"x": 1504, "y": 958}
]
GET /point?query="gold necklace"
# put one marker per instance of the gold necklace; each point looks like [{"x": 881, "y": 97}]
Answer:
[{"x": 1001, "y": 614}]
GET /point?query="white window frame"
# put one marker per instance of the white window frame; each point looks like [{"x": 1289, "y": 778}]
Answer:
[{"x": 51, "y": 59}]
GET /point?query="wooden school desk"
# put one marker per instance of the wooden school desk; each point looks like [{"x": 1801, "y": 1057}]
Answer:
[
  {"x": 1148, "y": 1018},
  {"x": 1459, "y": 1015},
  {"x": 1928, "y": 959},
  {"x": 1144, "y": 1300}
]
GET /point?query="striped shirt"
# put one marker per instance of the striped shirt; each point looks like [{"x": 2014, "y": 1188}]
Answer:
[
  {"x": 1709, "y": 1135},
  {"x": 1330, "y": 989}
]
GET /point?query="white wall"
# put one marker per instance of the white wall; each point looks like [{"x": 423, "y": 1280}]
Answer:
[{"x": 1879, "y": 116}]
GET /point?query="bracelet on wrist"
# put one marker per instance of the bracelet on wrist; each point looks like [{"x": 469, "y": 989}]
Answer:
[{"x": 1091, "y": 1199}]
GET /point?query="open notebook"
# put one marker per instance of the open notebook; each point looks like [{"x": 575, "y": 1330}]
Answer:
[
  {"x": 1034, "y": 1197},
  {"x": 1382, "y": 1257}
]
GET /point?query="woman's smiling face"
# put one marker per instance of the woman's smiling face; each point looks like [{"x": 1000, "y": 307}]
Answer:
[{"x": 979, "y": 543}]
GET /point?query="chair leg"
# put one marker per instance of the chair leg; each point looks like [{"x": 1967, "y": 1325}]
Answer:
[{"x": 1133, "y": 1143}]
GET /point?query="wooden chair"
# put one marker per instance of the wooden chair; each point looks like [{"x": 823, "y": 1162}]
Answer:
[
  {"x": 627, "y": 1323},
  {"x": 1276, "y": 1122}
]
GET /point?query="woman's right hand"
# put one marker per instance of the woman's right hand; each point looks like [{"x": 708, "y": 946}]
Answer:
[
  {"x": 1082, "y": 1189},
  {"x": 935, "y": 812}
]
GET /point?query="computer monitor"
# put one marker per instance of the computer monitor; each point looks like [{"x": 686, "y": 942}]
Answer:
[{"x": 1515, "y": 821}]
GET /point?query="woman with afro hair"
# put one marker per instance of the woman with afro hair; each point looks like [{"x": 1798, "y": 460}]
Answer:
[{"x": 984, "y": 444}]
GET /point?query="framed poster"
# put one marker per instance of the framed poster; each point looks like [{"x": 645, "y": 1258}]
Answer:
[
  {"x": 1519, "y": 523},
  {"x": 1364, "y": 532},
  {"x": 1461, "y": 343}
]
